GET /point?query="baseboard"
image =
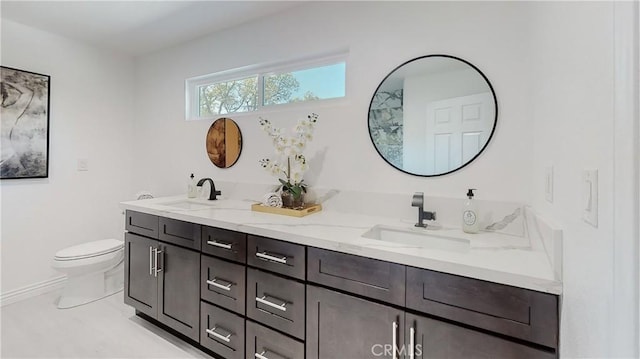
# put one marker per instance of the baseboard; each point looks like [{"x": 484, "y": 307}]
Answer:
[{"x": 32, "y": 290}]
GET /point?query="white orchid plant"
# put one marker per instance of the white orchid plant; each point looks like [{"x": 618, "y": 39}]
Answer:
[{"x": 290, "y": 164}]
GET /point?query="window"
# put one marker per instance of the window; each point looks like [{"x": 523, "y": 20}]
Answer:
[{"x": 259, "y": 88}]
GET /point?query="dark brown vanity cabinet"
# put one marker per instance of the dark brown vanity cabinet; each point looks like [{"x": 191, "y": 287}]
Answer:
[
  {"x": 162, "y": 281},
  {"x": 432, "y": 338},
  {"x": 421, "y": 313},
  {"x": 247, "y": 296},
  {"x": 342, "y": 326}
]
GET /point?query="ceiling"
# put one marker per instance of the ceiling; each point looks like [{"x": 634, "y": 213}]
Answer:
[{"x": 137, "y": 27}]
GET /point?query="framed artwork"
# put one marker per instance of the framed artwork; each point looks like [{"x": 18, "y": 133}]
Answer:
[{"x": 25, "y": 124}]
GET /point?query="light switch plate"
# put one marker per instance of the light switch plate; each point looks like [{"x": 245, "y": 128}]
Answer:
[
  {"x": 548, "y": 183},
  {"x": 590, "y": 197}
]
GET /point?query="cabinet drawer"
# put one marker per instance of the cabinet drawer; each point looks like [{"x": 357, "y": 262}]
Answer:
[
  {"x": 275, "y": 301},
  {"x": 225, "y": 244},
  {"x": 221, "y": 331},
  {"x": 276, "y": 256},
  {"x": 516, "y": 312},
  {"x": 266, "y": 343},
  {"x": 433, "y": 338},
  {"x": 142, "y": 223},
  {"x": 364, "y": 276},
  {"x": 181, "y": 233},
  {"x": 222, "y": 283}
]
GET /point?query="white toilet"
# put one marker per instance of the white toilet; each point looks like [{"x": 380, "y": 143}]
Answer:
[{"x": 94, "y": 270}]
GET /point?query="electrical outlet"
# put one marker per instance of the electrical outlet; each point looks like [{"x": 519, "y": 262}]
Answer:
[
  {"x": 548, "y": 183},
  {"x": 83, "y": 164}
]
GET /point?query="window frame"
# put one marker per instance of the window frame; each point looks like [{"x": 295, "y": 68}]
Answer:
[{"x": 193, "y": 84}]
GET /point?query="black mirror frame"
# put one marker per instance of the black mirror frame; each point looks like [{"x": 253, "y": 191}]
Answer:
[{"x": 493, "y": 130}]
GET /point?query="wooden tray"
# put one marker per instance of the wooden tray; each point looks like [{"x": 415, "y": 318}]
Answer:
[{"x": 307, "y": 210}]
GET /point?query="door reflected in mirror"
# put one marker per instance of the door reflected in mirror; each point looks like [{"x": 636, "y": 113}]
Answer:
[
  {"x": 224, "y": 142},
  {"x": 432, "y": 115}
]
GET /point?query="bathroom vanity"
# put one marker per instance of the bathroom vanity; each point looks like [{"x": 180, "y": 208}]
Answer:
[{"x": 242, "y": 284}]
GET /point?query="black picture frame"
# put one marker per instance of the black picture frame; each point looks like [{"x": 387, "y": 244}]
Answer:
[{"x": 25, "y": 116}]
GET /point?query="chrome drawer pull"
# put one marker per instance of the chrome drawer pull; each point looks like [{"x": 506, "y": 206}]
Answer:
[
  {"x": 150, "y": 260},
  {"x": 269, "y": 257},
  {"x": 219, "y": 336},
  {"x": 281, "y": 307},
  {"x": 220, "y": 244},
  {"x": 412, "y": 344},
  {"x": 157, "y": 270},
  {"x": 214, "y": 283},
  {"x": 394, "y": 338},
  {"x": 262, "y": 356}
]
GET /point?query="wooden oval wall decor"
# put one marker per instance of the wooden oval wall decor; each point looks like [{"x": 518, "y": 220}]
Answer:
[{"x": 224, "y": 142}]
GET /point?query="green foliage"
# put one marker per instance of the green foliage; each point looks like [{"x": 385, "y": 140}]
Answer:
[
  {"x": 229, "y": 97},
  {"x": 242, "y": 95},
  {"x": 296, "y": 190},
  {"x": 279, "y": 88}
]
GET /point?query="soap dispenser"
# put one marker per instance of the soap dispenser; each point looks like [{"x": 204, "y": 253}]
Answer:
[
  {"x": 470, "y": 214},
  {"x": 191, "y": 187}
]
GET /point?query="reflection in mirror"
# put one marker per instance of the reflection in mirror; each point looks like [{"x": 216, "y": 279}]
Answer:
[
  {"x": 224, "y": 142},
  {"x": 432, "y": 115}
]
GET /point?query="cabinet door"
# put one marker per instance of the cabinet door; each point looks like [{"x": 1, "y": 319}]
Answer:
[
  {"x": 437, "y": 339},
  {"x": 179, "y": 289},
  {"x": 341, "y": 326},
  {"x": 140, "y": 285}
]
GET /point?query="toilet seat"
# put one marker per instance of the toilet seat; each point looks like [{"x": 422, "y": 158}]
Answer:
[{"x": 89, "y": 250}]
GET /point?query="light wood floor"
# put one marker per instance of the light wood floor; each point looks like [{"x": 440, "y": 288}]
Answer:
[{"x": 35, "y": 328}]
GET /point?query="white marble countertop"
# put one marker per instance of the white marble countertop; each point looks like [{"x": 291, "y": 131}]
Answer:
[{"x": 491, "y": 256}]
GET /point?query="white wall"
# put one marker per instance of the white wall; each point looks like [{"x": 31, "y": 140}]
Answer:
[
  {"x": 379, "y": 36},
  {"x": 572, "y": 94},
  {"x": 91, "y": 110}
]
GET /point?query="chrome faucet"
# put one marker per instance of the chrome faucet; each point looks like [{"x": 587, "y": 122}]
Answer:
[
  {"x": 212, "y": 193},
  {"x": 418, "y": 201}
]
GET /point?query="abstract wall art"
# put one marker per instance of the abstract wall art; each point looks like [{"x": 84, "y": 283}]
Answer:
[{"x": 25, "y": 124}]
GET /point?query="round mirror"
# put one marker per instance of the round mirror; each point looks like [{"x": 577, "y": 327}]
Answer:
[
  {"x": 224, "y": 142},
  {"x": 432, "y": 115}
]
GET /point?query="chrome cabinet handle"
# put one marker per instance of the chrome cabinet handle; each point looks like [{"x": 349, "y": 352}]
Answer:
[
  {"x": 281, "y": 307},
  {"x": 220, "y": 244},
  {"x": 157, "y": 270},
  {"x": 395, "y": 339},
  {"x": 412, "y": 343},
  {"x": 225, "y": 338},
  {"x": 262, "y": 356},
  {"x": 150, "y": 260},
  {"x": 269, "y": 257},
  {"x": 214, "y": 283}
]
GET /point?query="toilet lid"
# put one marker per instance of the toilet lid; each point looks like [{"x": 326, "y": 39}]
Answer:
[{"x": 90, "y": 249}]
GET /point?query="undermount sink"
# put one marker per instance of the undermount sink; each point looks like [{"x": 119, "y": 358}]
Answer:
[
  {"x": 417, "y": 237},
  {"x": 188, "y": 204}
]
